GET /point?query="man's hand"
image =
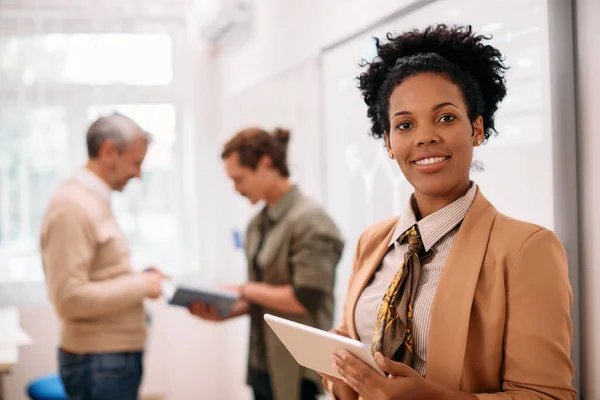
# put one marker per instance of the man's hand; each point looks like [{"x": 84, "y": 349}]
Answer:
[
  {"x": 205, "y": 311},
  {"x": 154, "y": 278},
  {"x": 234, "y": 288},
  {"x": 153, "y": 283},
  {"x": 209, "y": 313},
  {"x": 158, "y": 271}
]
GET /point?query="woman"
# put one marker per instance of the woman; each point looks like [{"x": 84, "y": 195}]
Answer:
[
  {"x": 292, "y": 248},
  {"x": 455, "y": 300}
]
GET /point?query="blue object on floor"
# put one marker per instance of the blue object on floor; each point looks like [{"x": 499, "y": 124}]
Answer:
[{"x": 47, "y": 387}]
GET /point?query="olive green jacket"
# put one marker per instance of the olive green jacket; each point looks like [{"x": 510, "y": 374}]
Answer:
[{"x": 302, "y": 247}]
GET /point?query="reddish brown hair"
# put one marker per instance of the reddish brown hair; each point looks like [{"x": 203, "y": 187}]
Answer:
[{"x": 253, "y": 143}]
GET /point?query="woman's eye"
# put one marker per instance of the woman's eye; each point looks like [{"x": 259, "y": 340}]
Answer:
[
  {"x": 447, "y": 118},
  {"x": 404, "y": 126}
]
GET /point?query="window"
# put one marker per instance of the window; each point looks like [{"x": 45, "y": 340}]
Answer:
[
  {"x": 93, "y": 59},
  {"x": 52, "y": 87},
  {"x": 29, "y": 170}
]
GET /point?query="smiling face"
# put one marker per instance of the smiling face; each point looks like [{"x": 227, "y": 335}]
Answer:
[{"x": 431, "y": 136}]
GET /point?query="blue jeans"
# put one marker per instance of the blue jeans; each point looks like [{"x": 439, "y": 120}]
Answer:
[{"x": 104, "y": 376}]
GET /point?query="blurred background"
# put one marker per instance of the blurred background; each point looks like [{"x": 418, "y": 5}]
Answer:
[{"x": 192, "y": 72}]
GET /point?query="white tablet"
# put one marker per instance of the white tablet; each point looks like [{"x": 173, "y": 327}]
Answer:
[{"x": 312, "y": 348}]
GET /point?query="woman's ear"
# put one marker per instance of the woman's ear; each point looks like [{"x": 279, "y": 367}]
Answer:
[
  {"x": 478, "y": 131},
  {"x": 388, "y": 146}
]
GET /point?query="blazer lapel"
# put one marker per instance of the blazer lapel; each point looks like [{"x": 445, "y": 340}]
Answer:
[
  {"x": 451, "y": 308},
  {"x": 363, "y": 275}
]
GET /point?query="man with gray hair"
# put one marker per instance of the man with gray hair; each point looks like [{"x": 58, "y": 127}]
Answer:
[{"x": 91, "y": 283}]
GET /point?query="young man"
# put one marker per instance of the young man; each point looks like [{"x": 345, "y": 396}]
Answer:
[{"x": 293, "y": 248}]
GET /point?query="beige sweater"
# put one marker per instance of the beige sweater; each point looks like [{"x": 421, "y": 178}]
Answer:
[{"x": 90, "y": 282}]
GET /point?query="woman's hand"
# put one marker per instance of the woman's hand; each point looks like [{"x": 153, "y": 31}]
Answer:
[
  {"x": 340, "y": 389},
  {"x": 402, "y": 382}
]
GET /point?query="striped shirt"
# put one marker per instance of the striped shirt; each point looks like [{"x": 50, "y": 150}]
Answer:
[{"x": 438, "y": 231}]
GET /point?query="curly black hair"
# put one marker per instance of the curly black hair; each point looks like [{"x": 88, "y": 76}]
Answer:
[{"x": 454, "y": 51}]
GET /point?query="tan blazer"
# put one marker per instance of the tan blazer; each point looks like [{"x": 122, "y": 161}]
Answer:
[{"x": 500, "y": 322}]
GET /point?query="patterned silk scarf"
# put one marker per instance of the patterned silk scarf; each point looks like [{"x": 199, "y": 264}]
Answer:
[{"x": 393, "y": 328}]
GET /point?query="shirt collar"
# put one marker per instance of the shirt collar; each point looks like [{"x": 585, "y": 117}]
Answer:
[
  {"x": 94, "y": 183},
  {"x": 278, "y": 210},
  {"x": 433, "y": 227}
]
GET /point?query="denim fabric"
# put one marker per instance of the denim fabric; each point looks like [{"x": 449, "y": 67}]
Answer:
[{"x": 106, "y": 376}]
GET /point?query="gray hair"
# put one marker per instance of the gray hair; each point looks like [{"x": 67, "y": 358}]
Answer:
[{"x": 116, "y": 127}]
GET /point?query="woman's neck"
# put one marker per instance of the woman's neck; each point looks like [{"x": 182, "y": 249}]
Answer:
[{"x": 428, "y": 204}]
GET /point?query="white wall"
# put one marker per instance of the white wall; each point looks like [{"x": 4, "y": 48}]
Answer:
[
  {"x": 588, "y": 97},
  {"x": 286, "y": 33}
]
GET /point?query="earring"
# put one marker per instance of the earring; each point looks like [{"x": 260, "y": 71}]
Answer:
[
  {"x": 479, "y": 141},
  {"x": 391, "y": 155}
]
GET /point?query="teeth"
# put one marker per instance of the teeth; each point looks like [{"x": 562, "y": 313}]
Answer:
[{"x": 431, "y": 160}]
